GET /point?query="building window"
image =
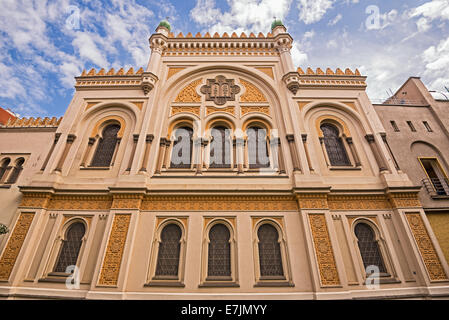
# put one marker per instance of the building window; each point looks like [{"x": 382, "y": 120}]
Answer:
[
  {"x": 412, "y": 127},
  {"x": 394, "y": 125},
  {"x": 219, "y": 253},
  {"x": 182, "y": 148},
  {"x": 18, "y": 167},
  {"x": 334, "y": 146},
  {"x": 258, "y": 156},
  {"x": 4, "y": 168},
  {"x": 71, "y": 246},
  {"x": 169, "y": 251},
  {"x": 369, "y": 247},
  {"x": 270, "y": 257},
  {"x": 220, "y": 148},
  {"x": 428, "y": 128},
  {"x": 106, "y": 146},
  {"x": 436, "y": 176}
]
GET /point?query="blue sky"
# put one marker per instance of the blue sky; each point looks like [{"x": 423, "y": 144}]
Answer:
[{"x": 42, "y": 46}]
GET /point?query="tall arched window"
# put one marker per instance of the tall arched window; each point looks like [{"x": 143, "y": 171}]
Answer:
[
  {"x": 219, "y": 253},
  {"x": 334, "y": 146},
  {"x": 257, "y": 148},
  {"x": 270, "y": 257},
  {"x": 182, "y": 148},
  {"x": 369, "y": 248},
  {"x": 169, "y": 251},
  {"x": 4, "y": 168},
  {"x": 220, "y": 148},
  {"x": 71, "y": 246},
  {"x": 106, "y": 146},
  {"x": 18, "y": 167}
]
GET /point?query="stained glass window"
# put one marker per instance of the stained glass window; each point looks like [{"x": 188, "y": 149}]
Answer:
[
  {"x": 71, "y": 247},
  {"x": 106, "y": 147},
  {"x": 169, "y": 249},
  {"x": 182, "y": 148},
  {"x": 269, "y": 251},
  {"x": 368, "y": 246},
  {"x": 219, "y": 256},
  {"x": 16, "y": 171},
  {"x": 334, "y": 146},
  {"x": 257, "y": 148},
  {"x": 220, "y": 146}
]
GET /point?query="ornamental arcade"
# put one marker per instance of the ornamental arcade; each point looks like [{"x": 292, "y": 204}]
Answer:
[{"x": 286, "y": 188}]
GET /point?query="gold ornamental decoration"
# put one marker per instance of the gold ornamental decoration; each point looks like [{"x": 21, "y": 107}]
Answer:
[
  {"x": 189, "y": 94},
  {"x": 178, "y": 109},
  {"x": 312, "y": 201},
  {"x": 84, "y": 202},
  {"x": 371, "y": 202},
  {"x": 426, "y": 248},
  {"x": 219, "y": 203},
  {"x": 404, "y": 200},
  {"x": 15, "y": 242},
  {"x": 126, "y": 201},
  {"x": 323, "y": 249},
  {"x": 252, "y": 93},
  {"x": 210, "y": 110},
  {"x": 262, "y": 109},
  {"x": 114, "y": 251},
  {"x": 220, "y": 90},
  {"x": 35, "y": 200}
]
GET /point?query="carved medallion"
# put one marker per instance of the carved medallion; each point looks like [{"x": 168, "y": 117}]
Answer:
[{"x": 220, "y": 90}]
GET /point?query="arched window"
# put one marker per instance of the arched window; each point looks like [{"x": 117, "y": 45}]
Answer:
[
  {"x": 182, "y": 148},
  {"x": 169, "y": 251},
  {"x": 18, "y": 167},
  {"x": 4, "y": 168},
  {"x": 257, "y": 148},
  {"x": 106, "y": 146},
  {"x": 270, "y": 257},
  {"x": 334, "y": 146},
  {"x": 71, "y": 246},
  {"x": 220, "y": 148},
  {"x": 219, "y": 253},
  {"x": 369, "y": 248}
]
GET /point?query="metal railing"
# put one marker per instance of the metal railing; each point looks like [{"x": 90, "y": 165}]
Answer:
[{"x": 436, "y": 186}]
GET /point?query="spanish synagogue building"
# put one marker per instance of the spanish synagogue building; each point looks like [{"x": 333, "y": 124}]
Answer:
[{"x": 220, "y": 169}]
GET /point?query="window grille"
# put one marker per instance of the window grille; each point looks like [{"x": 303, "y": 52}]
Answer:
[
  {"x": 369, "y": 248},
  {"x": 334, "y": 146},
  {"x": 106, "y": 147},
  {"x": 169, "y": 250},
  {"x": 71, "y": 247},
  {"x": 219, "y": 255},
  {"x": 269, "y": 251},
  {"x": 257, "y": 148}
]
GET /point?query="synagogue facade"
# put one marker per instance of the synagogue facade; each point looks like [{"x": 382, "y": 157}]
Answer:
[{"x": 218, "y": 170}]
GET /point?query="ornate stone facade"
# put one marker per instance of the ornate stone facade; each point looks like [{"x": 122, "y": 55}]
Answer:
[{"x": 278, "y": 173}]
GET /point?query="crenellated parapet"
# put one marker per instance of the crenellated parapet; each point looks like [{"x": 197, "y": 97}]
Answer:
[
  {"x": 337, "y": 79},
  {"x": 33, "y": 122}
]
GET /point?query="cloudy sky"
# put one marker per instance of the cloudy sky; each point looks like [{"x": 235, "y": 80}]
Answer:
[{"x": 43, "y": 46}]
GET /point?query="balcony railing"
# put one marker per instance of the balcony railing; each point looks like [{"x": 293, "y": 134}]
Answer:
[{"x": 436, "y": 187}]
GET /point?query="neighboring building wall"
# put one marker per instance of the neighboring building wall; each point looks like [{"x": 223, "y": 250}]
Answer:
[
  {"x": 429, "y": 141},
  {"x": 5, "y": 115}
]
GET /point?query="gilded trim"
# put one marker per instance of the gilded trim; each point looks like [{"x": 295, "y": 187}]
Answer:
[
  {"x": 114, "y": 252},
  {"x": 14, "y": 245},
  {"x": 426, "y": 248},
  {"x": 323, "y": 250}
]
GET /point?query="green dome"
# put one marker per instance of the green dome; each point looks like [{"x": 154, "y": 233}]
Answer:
[
  {"x": 164, "y": 23},
  {"x": 276, "y": 22}
]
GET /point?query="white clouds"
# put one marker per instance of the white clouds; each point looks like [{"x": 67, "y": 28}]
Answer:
[
  {"x": 243, "y": 15},
  {"x": 299, "y": 57},
  {"x": 311, "y": 11},
  {"x": 437, "y": 64},
  {"x": 334, "y": 21},
  {"x": 432, "y": 10},
  {"x": 87, "y": 49}
]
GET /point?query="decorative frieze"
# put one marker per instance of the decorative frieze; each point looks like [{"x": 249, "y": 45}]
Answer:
[
  {"x": 358, "y": 202},
  {"x": 110, "y": 269},
  {"x": 80, "y": 202},
  {"x": 323, "y": 250},
  {"x": 15, "y": 242},
  {"x": 219, "y": 203},
  {"x": 127, "y": 201},
  {"x": 312, "y": 200},
  {"x": 191, "y": 109},
  {"x": 261, "y": 109},
  {"x": 35, "y": 200},
  {"x": 404, "y": 200},
  {"x": 426, "y": 247},
  {"x": 210, "y": 110}
]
